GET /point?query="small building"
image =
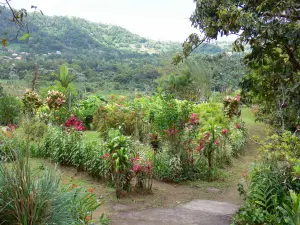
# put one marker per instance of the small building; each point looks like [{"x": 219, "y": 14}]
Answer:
[
  {"x": 14, "y": 54},
  {"x": 19, "y": 58},
  {"x": 58, "y": 52}
]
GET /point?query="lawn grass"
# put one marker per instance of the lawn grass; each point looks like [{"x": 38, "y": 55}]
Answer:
[
  {"x": 91, "y": 135},
  {"x": 248, "y": 117}
]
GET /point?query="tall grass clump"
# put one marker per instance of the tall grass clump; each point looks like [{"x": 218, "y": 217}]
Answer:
[{"x": 35, "y": 199}]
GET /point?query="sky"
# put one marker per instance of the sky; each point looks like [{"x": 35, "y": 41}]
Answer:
[{"x": 164, "y": 20}]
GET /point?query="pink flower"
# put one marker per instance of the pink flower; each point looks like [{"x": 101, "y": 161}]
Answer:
[
  {"x": 217, "y": 141},
  {"x": 137, "y": 168},
  {"x": 224, "y": 131},
  {"x": 172, "y": 132},
  {"x": 238, "y": 97},
  {"x": 193, "y": 119}
]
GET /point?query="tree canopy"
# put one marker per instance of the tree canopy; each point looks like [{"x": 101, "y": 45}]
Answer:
[{"x": 272, "y": 31}]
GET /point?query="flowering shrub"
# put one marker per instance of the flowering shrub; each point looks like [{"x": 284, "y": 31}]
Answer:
[
  {"x": 31, "y": 101},
  {"x": 142, "y": 169},
  {"x": 55, "y": 99},
  {"x": 73, "y": 122}
]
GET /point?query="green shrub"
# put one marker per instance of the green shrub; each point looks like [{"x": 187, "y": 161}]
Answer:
[
  {"x": 283, "y": 148},
  {"x": 250, "y": 214},
  {"x": 167, "y": 167},
  {"x": 113, "y": 116},
  {"x": 10, "y": 110},
  {"x": 34, "y": 129},
  {"x": 65, "y": 148},
  {"x": 6, "y": 147},
  {"x": 95, "y": 162}
]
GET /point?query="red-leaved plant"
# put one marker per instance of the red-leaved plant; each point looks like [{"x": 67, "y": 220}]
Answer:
[
  {"x": 73, "y": 122},
  {"x": 143, "y": 173}
]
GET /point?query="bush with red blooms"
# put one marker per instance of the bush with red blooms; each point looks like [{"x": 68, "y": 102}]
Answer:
[
  {"x": 142, "y": 169},
  {"x": 73, "y": 122},
  {"x": 232, "y": 106}
]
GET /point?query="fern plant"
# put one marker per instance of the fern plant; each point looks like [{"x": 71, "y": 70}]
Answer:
[{"x": 291, "y": 209}]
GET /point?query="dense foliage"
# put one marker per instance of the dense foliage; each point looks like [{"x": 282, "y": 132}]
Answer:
[
  {"x": 272, "y": 33},
  {"x": 272, "y": 188},
  {"x": 100, "y": 56}
]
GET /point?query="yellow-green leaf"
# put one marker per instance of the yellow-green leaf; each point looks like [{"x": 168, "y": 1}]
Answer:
[
  {"x": 4, "y": 42},
  {"x": 24, "y": 37}
]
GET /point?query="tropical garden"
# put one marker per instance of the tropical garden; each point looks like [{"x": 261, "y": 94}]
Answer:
[{"x": 189, "y": 129}]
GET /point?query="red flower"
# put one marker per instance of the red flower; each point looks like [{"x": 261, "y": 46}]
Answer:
[
  {"x": 224, "y": 131},
  {"x": 238, "y": 126}
]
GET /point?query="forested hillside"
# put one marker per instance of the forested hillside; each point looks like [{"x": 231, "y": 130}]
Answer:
[{"x": 99, "y": 55}]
